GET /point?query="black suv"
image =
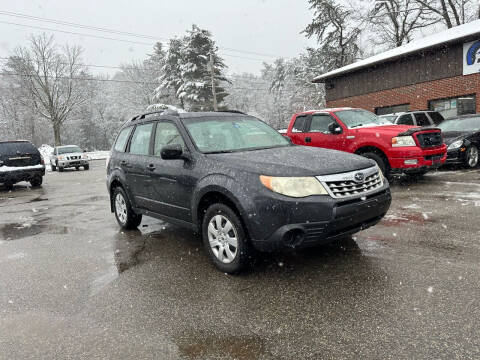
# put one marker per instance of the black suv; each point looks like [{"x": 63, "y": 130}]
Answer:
[
  {"x": 20, "y": 161},
  {"x": 240, "y": 184}
]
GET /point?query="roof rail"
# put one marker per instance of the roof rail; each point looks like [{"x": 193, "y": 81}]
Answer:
[
  {"x": 158, "y": 112},
  {"x": 232, "y": 111}
]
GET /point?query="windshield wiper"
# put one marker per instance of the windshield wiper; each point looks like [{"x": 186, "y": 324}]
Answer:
[{"x": 354, "y": 126}]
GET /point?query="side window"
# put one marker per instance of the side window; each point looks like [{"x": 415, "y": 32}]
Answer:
[
  {"x": 122, "y": 139},
  {"x": 299, "y": 124},
  {"x": 437, "y": 118},
  {"x": 141, "y": 139},
  {"x": 405, "y": 120},
  {"x": 320, "y": 123},
  {"x": 166, "y": 134},
  {"x": 422, "y": 119}
]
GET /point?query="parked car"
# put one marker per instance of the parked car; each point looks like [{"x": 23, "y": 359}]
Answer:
[
  {"x": 240, "y": 184},
  {"x": 462, "y": 136},
  {"x": 20, "y": 161},
  {"x": 395, "y": 148},
  {"x": 415, "y": 118},
  {"x": 68, "y": 156}
]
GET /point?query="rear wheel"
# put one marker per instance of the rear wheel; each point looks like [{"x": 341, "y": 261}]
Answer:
[
  {"x": 381, "y": 162},
  {"x": 225, "y": 239},
  {"x": 126, "y": 218},
  {"x": 471, "y": 158},
  {"x": 36, "y": 181},
  {"x": 8, "y": 185}
]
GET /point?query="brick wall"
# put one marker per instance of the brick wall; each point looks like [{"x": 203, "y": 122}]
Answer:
[{"x": 416, "y": 95}]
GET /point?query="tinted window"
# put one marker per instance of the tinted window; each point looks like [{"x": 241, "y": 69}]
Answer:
[
  {"x": 20, "y": 147},
  {"x": 122, "y": 139},
  {"x": 436, "y": 117},
  {"x": 166, "y": 134},
  {"x": 405, "y": 120},
  {"x": 141, "y": 139},
  {"x": 228, "y": 134},
  {"x": 422, "y": 119},
  {"x": 320, "y": 123},
  {"x": 299, "y": 124}
]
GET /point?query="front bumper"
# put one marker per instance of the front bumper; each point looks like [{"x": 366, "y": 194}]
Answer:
[
  {"x": 72, "y": 163},
  {"x": 315, "y": 220},
  {"x": 456, "y": 156},
  {"x": 15, "y": 176},
  {"x": 416, "y": 158}
]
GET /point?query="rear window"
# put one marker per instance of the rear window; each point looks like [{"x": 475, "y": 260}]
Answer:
[
  {"x": 122, "y": 139},
  {"x": 422, "y": 119},
  {"x": 299, "y": 124},
  {"x": 436, "y": 117},
  {"x": 22, "y": 147}
]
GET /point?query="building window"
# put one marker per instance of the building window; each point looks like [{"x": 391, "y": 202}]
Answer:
[
  {"x": 454, "y": 106},
  {"x": 392, "y": 109}
]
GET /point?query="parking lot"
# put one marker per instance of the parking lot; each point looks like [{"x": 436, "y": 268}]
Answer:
[{"x": 73, "y": 285}]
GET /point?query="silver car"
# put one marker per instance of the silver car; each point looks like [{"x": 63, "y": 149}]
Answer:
[{"x": 68, "y": 156}]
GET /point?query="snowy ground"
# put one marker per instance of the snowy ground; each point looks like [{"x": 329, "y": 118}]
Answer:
[{"x": 72, "y": 283}]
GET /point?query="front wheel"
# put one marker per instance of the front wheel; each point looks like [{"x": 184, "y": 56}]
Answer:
[
  {"x": 60, "y": 169},
  {"x": 225, "y": 239},
  {"x": 86, "y": 167},
  {"x": 126, "y": 218},
  {"x": 382, "y": 164},
  {"x": 54, "y": 168},
  {"x": 471, "y": 158}
]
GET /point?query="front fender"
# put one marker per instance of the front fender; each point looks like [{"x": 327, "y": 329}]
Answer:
[
  {"x": 118, "y": 176},
  {"x": 236, "y": 190}
]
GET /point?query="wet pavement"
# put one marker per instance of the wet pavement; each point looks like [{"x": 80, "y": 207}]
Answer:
[{"x": 72, "y": 285}]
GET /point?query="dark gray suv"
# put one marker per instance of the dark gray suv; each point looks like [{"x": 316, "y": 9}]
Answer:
[{"x": 240, "y": 184}]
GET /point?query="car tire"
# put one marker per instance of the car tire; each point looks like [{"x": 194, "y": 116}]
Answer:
[
  {"x": 471, "y": 157},
  {"x": 8, "y": 185},
  {"x": 77, "y": 168},
  {"x": 36, "y": 181},
  {"x": 384, "y": 167},
  {"x": 86, "y": 167},
  {"x": 124, "y": 213},
  {"x": 60, "y": 169},
  {"x": 222, "y": 229},
  {"x": 54, "y": 168}
]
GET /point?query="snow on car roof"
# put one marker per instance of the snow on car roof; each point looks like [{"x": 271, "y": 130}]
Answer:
[{"x": 442, "y": 37}]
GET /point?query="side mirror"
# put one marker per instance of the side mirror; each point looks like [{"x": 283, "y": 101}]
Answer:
[
  {"x": 334, "y": 128},
  {"x": 172, "y": 152}
]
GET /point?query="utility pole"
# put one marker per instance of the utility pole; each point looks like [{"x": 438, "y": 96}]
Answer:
[{"x": 212, "y": 74}]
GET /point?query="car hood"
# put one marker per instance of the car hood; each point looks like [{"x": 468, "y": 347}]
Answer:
[
  {"x": 72, "y": 154},
  {"x": 452, "y": 136},
  {"x": 392, "y": 130},
  {"x": 294, "y": 161}
]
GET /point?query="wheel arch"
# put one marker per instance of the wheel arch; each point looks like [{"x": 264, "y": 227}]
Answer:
[{"x": 374, "y": 149}]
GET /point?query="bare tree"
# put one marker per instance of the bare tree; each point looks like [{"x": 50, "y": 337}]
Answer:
[
  {"x": 452, "y": 12},
  {"x": 50, "y": 76},
  {"x": 394, "y": 22}
]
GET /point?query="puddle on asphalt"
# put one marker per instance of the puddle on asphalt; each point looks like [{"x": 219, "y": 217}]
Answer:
[
  {"x": 37, "y": 199},
  {"x": 15, "y": 231},
  {"x": 198, "y": 346}
]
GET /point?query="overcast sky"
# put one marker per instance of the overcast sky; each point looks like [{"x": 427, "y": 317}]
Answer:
[{"x": 259, "y": 26}]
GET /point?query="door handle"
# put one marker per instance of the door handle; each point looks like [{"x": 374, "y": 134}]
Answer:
[
  {"x": 151, "y": 167},
  {"x": 124, "y": 163},
  {"x": 308, "y": 139}
]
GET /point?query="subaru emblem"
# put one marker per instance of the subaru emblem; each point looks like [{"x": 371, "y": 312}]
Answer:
[{"x": 359, "y": 178}]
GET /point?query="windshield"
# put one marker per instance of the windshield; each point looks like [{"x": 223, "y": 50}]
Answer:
[
  {"x": 390, "y": 118},
  {"x": 216, "y": 135},
  {"x": 69, "y": 149},
  {"x": 468, "y": 124},
  {"x": 360, "y": 118}
]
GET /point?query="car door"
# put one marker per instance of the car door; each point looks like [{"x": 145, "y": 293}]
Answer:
[
  {"x": 319, "y": 135},
  {"x": 297, "y": 134},
  {"x": 135, "y": 162},
  {"x": 170, "y": 182},
  {"x": 405, "y": 119}
]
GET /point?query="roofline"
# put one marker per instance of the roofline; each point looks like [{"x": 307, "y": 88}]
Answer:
[{"x": 454, "y": 34}]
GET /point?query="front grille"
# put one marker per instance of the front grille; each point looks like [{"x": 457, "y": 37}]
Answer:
[
  {"x": 430, "y": 139},
  {"x": 341, "y": 189},
  {"x": 73, "y": 157}
]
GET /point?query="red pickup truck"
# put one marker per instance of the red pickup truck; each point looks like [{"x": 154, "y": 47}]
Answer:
[{"x": 395, "y": 148}]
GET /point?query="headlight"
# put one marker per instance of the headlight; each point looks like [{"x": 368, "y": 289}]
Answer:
[
  {"x": 294, "y": 186},
  {"x": 455, "y": 144},
  {"x": 61, "y": 157},
  {"x": 84, "y": 156},
  {"x": 399, "y": 141}
]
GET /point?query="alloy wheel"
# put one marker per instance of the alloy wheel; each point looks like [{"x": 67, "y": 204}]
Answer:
[
  {"x": 121, "y": 208},
  {"x": 222, "y": 237},
  {"x": 473, "y": 156}
]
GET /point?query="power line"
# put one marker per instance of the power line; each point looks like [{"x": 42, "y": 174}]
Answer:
[
  {"x": 108, "y": 38},
  {"x": 118, "y": 32},
  {"x": 109, "y": 80}
]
